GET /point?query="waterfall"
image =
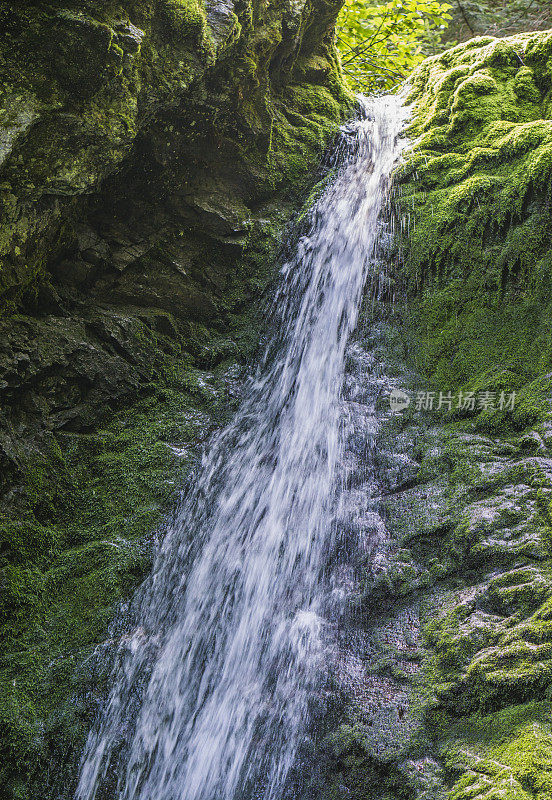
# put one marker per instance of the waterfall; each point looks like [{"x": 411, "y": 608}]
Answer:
[{"x": 211, "y": 688}]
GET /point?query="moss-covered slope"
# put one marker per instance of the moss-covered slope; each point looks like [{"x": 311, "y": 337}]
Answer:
[
  {"x": 454, "y": 670},
  {"x": 475, "y": 203},
  {"x": 151, "y": 152}
]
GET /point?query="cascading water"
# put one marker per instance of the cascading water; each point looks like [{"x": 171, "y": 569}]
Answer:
[{"x": 211, "y": 689}]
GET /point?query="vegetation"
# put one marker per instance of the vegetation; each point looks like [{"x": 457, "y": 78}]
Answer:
[
  {"x": 477, "y": 182},
  {"x": 382, "y": 42},
  {"x": 459, "y": 614}
]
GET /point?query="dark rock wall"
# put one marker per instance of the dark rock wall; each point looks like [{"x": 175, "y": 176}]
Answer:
[{"x": 151, "y": 153}]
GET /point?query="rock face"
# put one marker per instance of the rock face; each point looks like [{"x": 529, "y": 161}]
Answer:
[
  {"x": 150, "y": 156},
  {"x": 455, "y": 694}
]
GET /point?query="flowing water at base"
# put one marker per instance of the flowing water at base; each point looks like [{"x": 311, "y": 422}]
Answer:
[{"x": 211, "y": 689}]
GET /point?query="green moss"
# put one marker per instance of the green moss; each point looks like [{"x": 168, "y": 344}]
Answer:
[
  {"x": 355, "y": 773},
  {"x": 476, "y": 260},
  {"x": 61, "y": 579},
  {"x": 481, "y": 102},
  {"x": 506, "y": 754},
  {"x": 299, "y": 138},
  {"x": 472, "y": 529},
  {"x": 188, "y": 21},
  {"x": 315, "y": 100}
]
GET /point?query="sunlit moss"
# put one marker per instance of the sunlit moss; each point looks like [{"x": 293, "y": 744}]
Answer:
[{"x": 474, "y": 199}]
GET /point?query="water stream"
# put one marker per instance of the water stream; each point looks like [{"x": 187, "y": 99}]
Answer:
[{"x": 211, "y": 690}]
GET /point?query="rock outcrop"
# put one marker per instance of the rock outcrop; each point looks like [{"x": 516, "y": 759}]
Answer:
[
  {"x": 151, "y": 152},
  {"x": 455, "y": 688}
]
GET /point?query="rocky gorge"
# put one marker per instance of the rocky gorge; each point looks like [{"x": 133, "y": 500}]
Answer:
[{"x": 152, "y": 154}]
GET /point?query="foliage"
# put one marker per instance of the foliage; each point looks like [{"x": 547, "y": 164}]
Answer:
[{"x": 381, "y": 43}]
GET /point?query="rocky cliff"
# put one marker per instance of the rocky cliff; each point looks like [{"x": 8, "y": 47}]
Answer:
[
  {"x": 456, "y": 633},
  {"x": 151, "y": 153}
]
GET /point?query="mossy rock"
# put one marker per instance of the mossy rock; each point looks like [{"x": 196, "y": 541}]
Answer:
[
  {"x": 151, "y": 155},
  {"x": 476, "y": 261}
]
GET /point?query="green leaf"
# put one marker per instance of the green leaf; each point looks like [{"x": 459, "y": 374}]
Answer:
[{"x": 381, "y": 43}]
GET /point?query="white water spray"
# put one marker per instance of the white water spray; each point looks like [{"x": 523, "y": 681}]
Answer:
[{"x": 210, "y": 694}]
